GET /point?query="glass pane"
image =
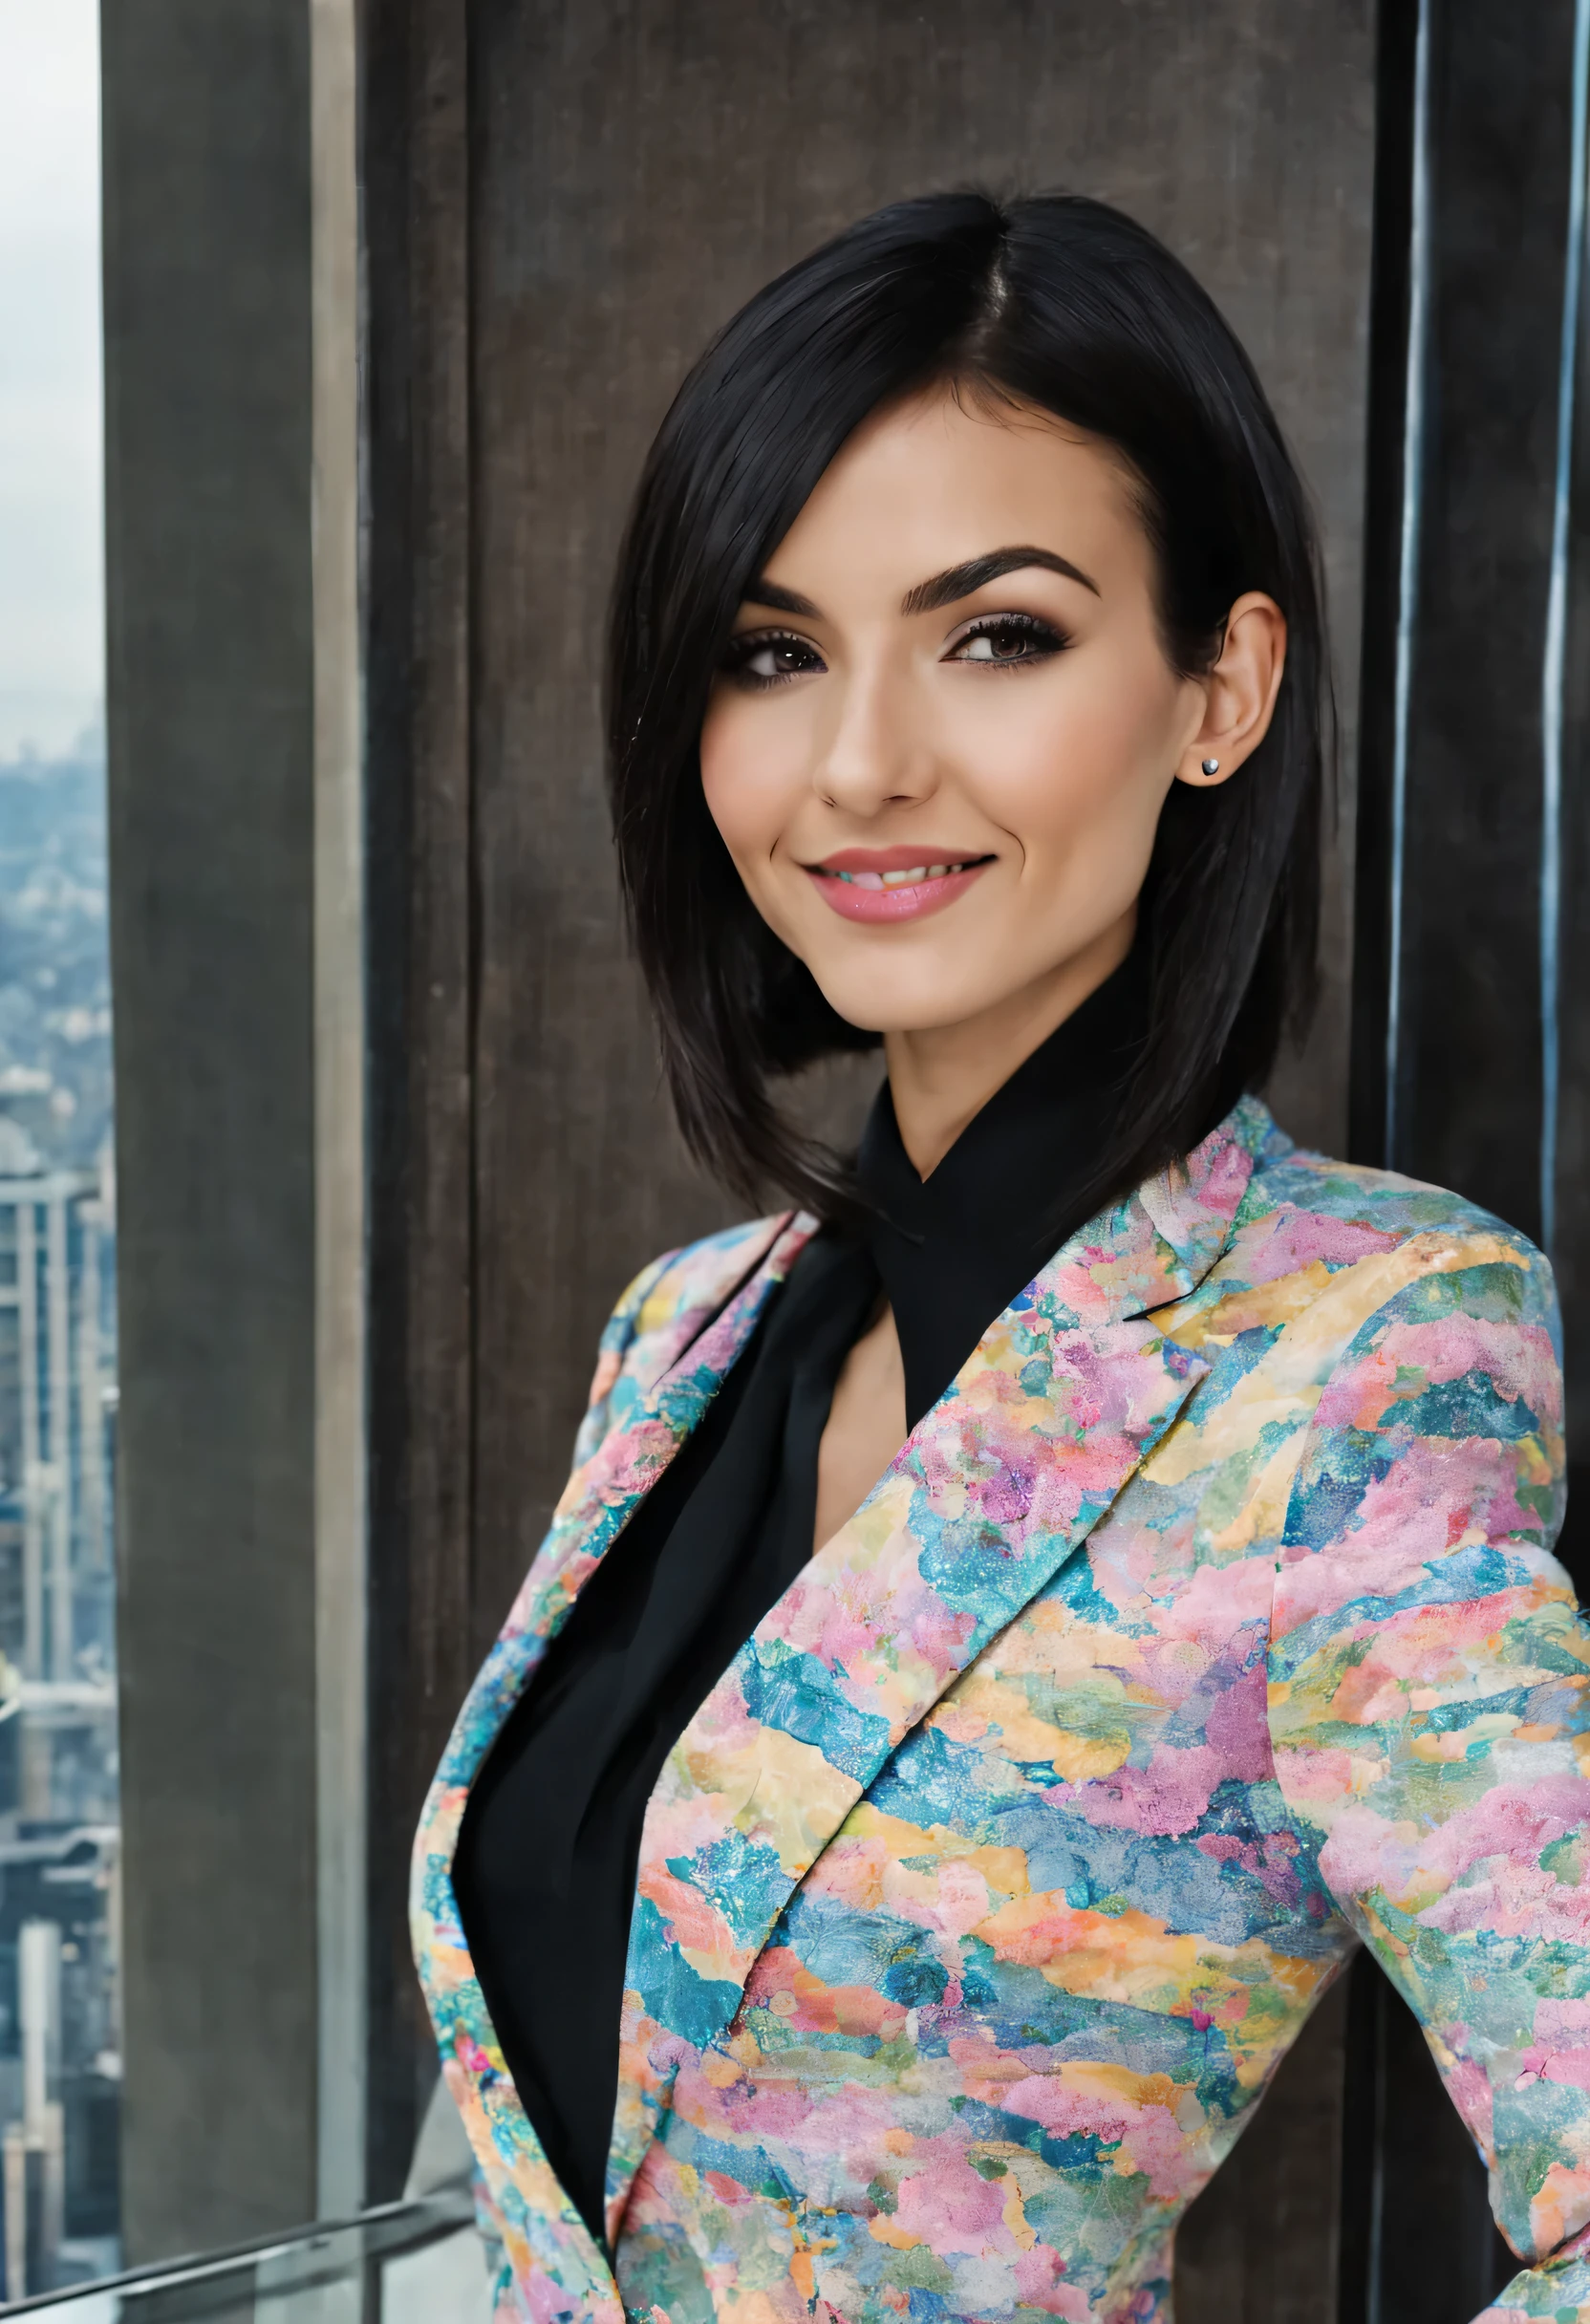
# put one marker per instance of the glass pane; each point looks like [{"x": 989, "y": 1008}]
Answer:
[
  {"x": 417, "y": 2263},
  {"x": 59, "y": 2031}
]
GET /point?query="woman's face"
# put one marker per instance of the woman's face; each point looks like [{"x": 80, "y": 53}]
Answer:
[{"x": 944, "y": 730}]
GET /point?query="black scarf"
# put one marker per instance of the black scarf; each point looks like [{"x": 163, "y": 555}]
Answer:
[{"x": 546, "y": 1865}]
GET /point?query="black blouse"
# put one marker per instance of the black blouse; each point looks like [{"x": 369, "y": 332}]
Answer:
[{"x": 545, "y": 1864}]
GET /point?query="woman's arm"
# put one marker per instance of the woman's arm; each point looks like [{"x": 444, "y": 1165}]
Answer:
[{"x": 1429, "y": 1715}]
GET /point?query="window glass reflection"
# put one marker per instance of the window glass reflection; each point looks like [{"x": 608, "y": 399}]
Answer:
[{"x": 59, "y": 2017}]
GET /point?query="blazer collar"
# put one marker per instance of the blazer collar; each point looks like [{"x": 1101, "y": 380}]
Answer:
[{"x": 1068, "y": 1390}]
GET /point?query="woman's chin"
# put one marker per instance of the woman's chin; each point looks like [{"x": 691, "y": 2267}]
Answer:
[{"x": 872, "y": 1003}]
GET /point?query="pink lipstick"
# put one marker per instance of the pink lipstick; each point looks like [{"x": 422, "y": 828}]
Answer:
[{"x": 888, "y": 884}]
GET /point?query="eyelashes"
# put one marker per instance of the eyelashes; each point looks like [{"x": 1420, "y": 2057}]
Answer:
[
  {"x": 1013, "y": 641},
  {"x": 760, "y": 658},
  {"x": 769, "y": 658}
]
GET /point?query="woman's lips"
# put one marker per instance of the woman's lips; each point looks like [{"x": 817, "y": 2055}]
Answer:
[{"x": 881, "y": 890}]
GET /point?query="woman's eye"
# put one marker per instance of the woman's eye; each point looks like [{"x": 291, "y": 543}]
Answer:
[
  {"x": 764, "y": 658},
  {"x": 1009, "y": 639}
]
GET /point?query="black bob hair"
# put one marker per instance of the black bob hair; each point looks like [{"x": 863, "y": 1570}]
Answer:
[{"x": 1052, "y": 301}]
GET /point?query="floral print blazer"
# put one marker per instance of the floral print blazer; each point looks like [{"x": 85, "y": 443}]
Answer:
[{"x": 1206, "y": 1626}]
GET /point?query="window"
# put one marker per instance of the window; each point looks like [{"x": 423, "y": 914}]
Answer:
[{"x": 59, "y": 2029}]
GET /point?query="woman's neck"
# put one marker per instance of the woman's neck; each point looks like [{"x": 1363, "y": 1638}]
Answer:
[{"x": 939, "y": 1076}]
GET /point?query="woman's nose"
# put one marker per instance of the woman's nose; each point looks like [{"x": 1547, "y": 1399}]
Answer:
[{"x": 875, "y": 753}]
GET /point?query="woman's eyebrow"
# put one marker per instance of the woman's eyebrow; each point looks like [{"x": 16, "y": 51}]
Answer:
[
  {"x": 764, "y": 591},
  {"x": 961, "y": 580}
]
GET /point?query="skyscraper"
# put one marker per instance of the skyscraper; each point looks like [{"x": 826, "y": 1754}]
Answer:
[{"x": 59, "y": 2033}]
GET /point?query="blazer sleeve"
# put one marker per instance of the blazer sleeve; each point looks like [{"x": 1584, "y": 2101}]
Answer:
[{"x": 1428, "y": 1707}]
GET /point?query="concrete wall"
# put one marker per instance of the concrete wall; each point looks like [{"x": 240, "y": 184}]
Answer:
[{"x": 208, "y": 351}]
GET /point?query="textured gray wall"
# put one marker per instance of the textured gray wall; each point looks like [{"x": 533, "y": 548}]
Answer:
[{"x": 210, "y": 717}]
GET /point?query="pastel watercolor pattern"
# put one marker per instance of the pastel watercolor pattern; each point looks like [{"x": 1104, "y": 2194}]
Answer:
[{"x": 1207, "y": 1627}]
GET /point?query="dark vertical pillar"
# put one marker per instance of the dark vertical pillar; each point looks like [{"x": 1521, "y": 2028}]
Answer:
[
  {"x": 1453, "y": 1046},
  {"x": 421, "y": 879},
  {"x": 1570, "y": 874},
  {"x": 1465, "y": 1086},
  {"x": 207, "y": 335},
  {"x": 1389, "y": 576}
]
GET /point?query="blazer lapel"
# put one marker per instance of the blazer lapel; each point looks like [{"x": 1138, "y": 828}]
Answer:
[
  {"x": 683, "y": 1364},
  {"x": 600, "y": 1498},
  {"x": 1064, "y": 1397}
]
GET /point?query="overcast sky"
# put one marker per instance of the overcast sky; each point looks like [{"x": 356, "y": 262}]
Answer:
[{"x": 51, "y": 652}]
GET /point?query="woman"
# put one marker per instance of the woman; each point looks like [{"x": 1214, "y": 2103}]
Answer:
[{"x": 1022, "y": 1615}]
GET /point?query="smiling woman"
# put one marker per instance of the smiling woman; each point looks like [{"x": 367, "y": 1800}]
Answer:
[{"x": 1019, "y": 1619}]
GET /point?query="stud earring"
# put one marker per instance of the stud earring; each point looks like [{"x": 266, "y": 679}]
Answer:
[{"x": 1211, "y": 766}]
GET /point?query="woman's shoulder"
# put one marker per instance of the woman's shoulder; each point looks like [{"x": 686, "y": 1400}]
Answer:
[
  {"x": 661, "y": 1311},
  {"x": 1306, "y": 1211},
  {"x": 695, "y": 1276}
]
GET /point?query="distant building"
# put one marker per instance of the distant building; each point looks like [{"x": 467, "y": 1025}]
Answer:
[{"x": 59, "y": 1842}]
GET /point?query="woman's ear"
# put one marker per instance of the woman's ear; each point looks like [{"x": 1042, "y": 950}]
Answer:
[{"x": 1239, "y": 692}]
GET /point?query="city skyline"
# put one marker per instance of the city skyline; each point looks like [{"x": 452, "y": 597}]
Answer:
[
  {"x": 59, "y": 1836},
  {"x": 60, "y": 1805}
]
